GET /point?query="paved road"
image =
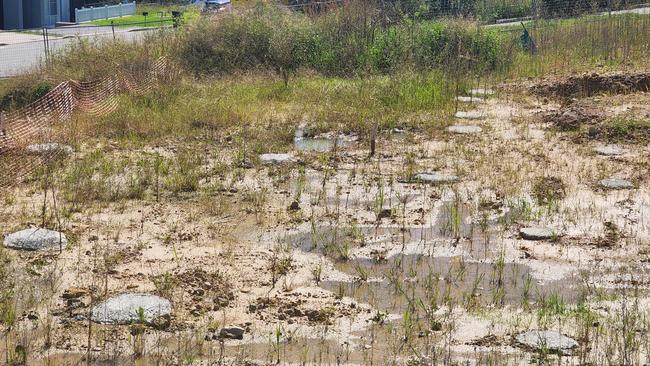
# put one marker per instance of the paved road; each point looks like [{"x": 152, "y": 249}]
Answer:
[{"x": 21, "y": 52}]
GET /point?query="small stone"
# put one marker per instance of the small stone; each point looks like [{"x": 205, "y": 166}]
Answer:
[
  {"x": 295, "y": 206},
  {"x": 464, "y": 129},
  {"x": 74, "y": 293},
  {"x": 536, "y": 233},
  {"x": 609, "y": 150},
  {"x": 469, "y": 115},
  {"x": 435, "y": 178},
  {"x": 123, "y": 309},
  {"x": 277, "y": 159},
  {"x": 551, "y": 341},
  {"x": 49, "y": 148},
  {"x": 36, "y": 239},
  {"x": 615, "y": 183},
  {"x": 232, "y": 332},
  {"x": 198, "y": 291},
  {"x": 472, "y": 99}
]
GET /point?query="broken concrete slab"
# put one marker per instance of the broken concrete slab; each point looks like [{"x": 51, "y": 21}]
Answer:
[
  {"x": 435, "y": 178},
  {"x": 615, "y": 183},
  {"x": 129, "y": 308},
  {"x": 49, "y": 149},
  {"x": 464, "y": 129},
  {"x": 609, "y": 150},
  {"x": 277, "y": 159},
  {"x": 36, "y": 239},
  {"x": 551, "y": 341},
  {"x": 537, "y": 233},
  {"x": 468, "y": 115}
]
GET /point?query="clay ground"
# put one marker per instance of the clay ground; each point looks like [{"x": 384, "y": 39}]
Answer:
[{"x": 341, "y": 259}]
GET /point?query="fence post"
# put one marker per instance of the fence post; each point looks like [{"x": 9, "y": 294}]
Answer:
[
  {"x": 3, "y": 131},
  {"x": 113, "y": 29},
  {"x": 45, "y": 45}
]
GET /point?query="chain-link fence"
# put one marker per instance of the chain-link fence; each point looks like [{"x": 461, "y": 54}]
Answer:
[{"x": 24, "y": 51}]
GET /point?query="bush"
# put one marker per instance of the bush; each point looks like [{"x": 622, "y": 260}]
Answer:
[
  {"x": 347, "y": 41},
  {"x": 23, "y": 91}
]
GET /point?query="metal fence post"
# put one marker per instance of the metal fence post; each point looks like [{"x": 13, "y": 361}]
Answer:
[
  {"x": 3, "y": 130},
  {"x": 45, "y": 44},
  {"x": 113, "y": 28}
]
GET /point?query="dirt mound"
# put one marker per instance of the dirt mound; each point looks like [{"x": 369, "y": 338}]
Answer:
[
  {"x": 591, "y": 84},
  {"x": 572, "y": 117}
]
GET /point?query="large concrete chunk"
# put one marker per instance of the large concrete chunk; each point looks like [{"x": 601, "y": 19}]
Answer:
[
  {"x": 277, "y": 159},
  {"x": 536, "y": 233},
  {"x": 49, "y": 148},
  {"x": 125, "y": 309},
  {"x": 615, "y": 183},
  {"x": 469, "y": 115},
  {"x": 36, "y": 239},
  {"x": 481, "y": 91},
  {"x": 553, "y": 342},
  {"x": 435, "y": 178},
  {"x": 609, "y": 150},
  {"x": 464, "y": 130},
  {"x": 472, "y": 99}
]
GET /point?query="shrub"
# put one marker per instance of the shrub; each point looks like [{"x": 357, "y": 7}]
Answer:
[{"x": 350, "y": 40}]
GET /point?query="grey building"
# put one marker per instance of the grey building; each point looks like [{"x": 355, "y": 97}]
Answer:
[{"x": 26, "y": 14}]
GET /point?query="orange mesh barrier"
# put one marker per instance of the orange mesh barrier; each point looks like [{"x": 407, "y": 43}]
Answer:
[{"x": 34, "y": 123}]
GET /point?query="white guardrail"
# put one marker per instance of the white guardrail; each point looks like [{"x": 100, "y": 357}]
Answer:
[{"x": 104, "y": 12}]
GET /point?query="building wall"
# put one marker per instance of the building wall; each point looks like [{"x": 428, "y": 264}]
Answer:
[
  {"x": 2, "y": 14},
  {"x": 13, "y": 14},
  {"x": 25, "y": 14},
  {"x": 33, "y": 13}
]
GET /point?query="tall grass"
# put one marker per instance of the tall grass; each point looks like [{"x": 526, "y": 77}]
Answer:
[
  {"x": 564, "y": 46},
  {"x": 347, "y": 41}
]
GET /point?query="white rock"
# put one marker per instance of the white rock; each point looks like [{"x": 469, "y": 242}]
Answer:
[
  {"x": 551, "y": 341},
  {"x": 435, "y": 178},
  {"x": 49, "y": 148},
  {"x": 465, "y": 130},
  {"x": 481, "y": 91},
  {"x": 609, "y": 150},
  {"x": 615, "y": 183},
  {"x": 123, "y": 309},
  {"x": 536, "y": 233},
  {"x": 36, "y": 239},
  {"x": 464, "y": 99},
  {"x": 277, "y": 159},
  {"x": 469, "y": 115}
]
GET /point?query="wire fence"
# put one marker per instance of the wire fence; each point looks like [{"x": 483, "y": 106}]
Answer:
[
  {"x": 24, "y": 51},
  {"x": 29, "y": 137}
]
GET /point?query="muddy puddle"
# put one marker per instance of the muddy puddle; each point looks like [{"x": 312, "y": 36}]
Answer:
[
  {"x": 303, "y": 141},
  {"x": 407, "y": 281}
]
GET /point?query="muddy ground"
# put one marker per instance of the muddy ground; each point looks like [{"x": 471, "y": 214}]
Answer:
[{"x": 365, "y": 265}]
